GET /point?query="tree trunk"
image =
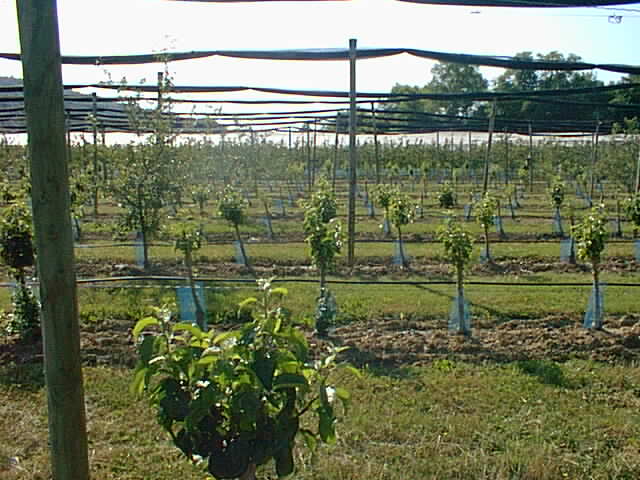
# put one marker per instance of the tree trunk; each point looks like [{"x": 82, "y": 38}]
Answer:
[
  {"x": 323, "y": 278},
  {"x": 242, "y": 250},
  {"x": 486, "y": 244}
]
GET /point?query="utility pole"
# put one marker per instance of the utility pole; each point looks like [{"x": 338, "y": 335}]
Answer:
[{"x": 44, "y": 107}]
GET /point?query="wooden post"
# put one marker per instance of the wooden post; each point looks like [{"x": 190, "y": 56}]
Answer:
[
  {"x": 492, "y": 120},
  {"x": 309, "y": 167},
  {"x": 507, "y": 162},
  {"x": 637, "y": 189},
  {"x": 530, "y": 159},
  {"x": 376, "y": 148},
  {"x": 594, "y": 159},
  {"x": 95, "y": 154},
  {"x": 314, "y": 158},
  {"x": 335, "y": 157},
  {"x": 44, "y": 107},
  {"x": 353, "y": 153}
]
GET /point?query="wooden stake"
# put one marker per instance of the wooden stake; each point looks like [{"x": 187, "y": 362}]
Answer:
[{"x": 44, "y": 107}]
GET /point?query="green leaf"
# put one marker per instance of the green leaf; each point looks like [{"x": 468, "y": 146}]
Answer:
[
  {"x": 188, "y": 327},
  {"x": 207, "y": 359},
  {"x": 247, "y": 302},
  {"x": 287, "y": 380},
  {"x": 351, "y": 369},
  {"x": 146, "y": 349},
  {"x": 138, "y": 384},
  {"x": 264, "y": 366},
  {"x": 309, "y": 439},
  {"x": 225, "y": 336},
  {"x": 279, "y": 291},
  {"x": 142, "y": 324}
]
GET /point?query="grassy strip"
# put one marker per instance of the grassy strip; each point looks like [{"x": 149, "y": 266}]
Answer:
[
  {"x": 529, "y": 420},
  {"x": 275, "y": 253}
]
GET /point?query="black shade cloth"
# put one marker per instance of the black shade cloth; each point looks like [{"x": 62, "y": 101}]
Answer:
[{"x": 341, "y": 54}]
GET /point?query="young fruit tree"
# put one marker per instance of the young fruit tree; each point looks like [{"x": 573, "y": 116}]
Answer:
[
  {"x": 236, "y": 400},
  {"x": 486, "y": 210},
  {"x": 556, "y": 192},
  {"x": 143, "y": 186},
  {"x": 401, "y": 213},
  {"x": 325, "y": 239},
  {"x": 447, "y": 196},
  {"x": 382, "y": 195},
  {"x": 188, "y": 241},
  {"x": 17, "y": 252},
  {"x": 231, "y": 207},
  {"x": 591, "y": 236},
  {"x": 458, "y": 246},
  {"x": 632, "y": 209}
]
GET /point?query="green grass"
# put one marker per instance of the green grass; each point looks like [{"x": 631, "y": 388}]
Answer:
[
  {"x": 286, "y": 252},
  {"x": 447, "y": 421}
]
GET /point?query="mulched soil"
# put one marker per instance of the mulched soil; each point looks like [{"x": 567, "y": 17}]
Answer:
[{"x": 398, "y": 342}]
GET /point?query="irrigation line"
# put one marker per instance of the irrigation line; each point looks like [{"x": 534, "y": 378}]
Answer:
[{"x": 155, "y": 278}]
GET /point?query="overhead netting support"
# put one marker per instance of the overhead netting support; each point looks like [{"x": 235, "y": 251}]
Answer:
[{"x": 390, "y": 117}]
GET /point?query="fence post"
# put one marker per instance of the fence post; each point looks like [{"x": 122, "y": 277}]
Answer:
[{"x": 44, "y": 107}]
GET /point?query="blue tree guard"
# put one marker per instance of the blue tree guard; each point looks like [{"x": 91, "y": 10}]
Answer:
[
  {"x": 467, "y": 211},
  {"x": 557, "y": 223},
  {"x": 593, "y": 317},
  {"x": 456, "y": 324},
  {"x": 371, "y": 210},
  {"x": 139, "y": 250},
  {"x": 397, "y": 258},
  {"x": 637, "y": 245},
  {"x": 279, "y": 204},
  {"x": 497, "y": 221},
  {"x": 484, "y": 258},
  {"x": 567, "y": 245},
  {"x": 386, "y": 227},
  {"x": 239, "y": 256},
  {"x": 267, "y": 223},
  {"x": 188, "y": 307}
]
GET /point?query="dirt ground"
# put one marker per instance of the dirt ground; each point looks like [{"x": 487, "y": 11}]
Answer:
[{"x": 398, "y": 342}]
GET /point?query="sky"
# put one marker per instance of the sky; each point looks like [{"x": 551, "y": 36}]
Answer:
[{"x": 104, "y": 27}]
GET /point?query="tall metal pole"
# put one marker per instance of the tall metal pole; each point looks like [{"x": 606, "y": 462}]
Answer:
[
  {"x": 44, "y": 107},
  {"x": 353, "y": 153}
]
